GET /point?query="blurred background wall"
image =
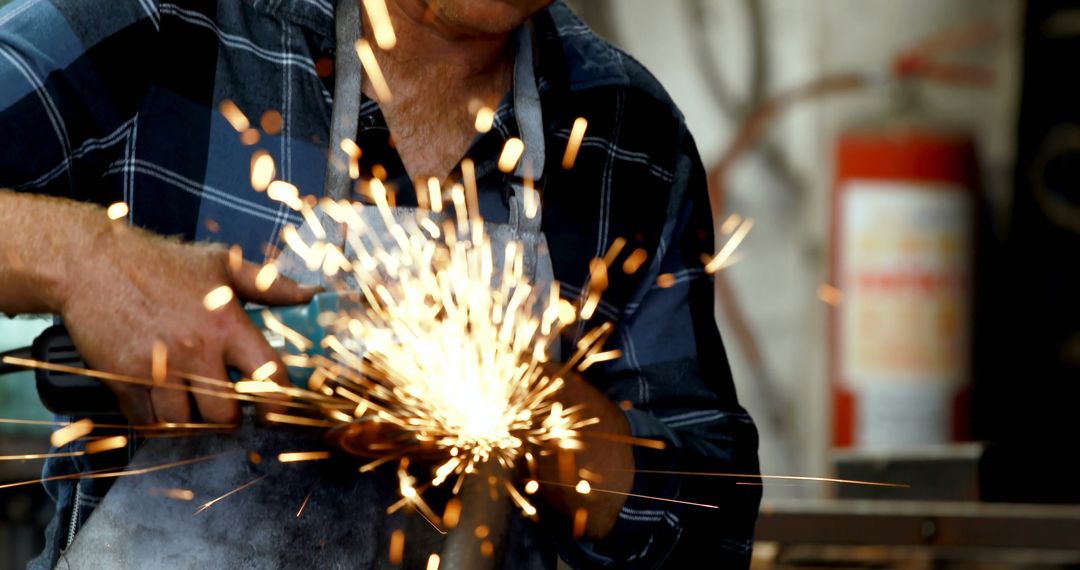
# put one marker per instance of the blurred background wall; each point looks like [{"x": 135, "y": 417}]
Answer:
[
  {"x": 718, "y": 58},
  {"x": 974, "y": 491}
]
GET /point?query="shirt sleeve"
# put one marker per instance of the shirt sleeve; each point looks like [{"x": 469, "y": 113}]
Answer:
[
  {"x": 675, "y": 375},
  {"x": 72, "y": 76}
]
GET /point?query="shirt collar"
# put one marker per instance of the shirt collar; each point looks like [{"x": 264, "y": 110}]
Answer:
[
  {"x": 318, "y": 15},
  {"x": 571, "y": 56}
]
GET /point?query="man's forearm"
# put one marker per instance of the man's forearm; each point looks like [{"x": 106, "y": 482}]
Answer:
[
  {"x": 40, "y": 239},
  {"x": 602, "y": 456}
]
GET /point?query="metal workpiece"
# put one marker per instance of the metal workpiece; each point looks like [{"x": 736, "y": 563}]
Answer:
[{"x": 485, "y": 514}]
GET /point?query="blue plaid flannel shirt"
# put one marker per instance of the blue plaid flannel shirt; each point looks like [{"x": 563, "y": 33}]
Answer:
[{"x": 118, "y": 101}]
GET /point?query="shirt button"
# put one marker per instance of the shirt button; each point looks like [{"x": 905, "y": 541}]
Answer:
[{"x": 368, "y": 121}]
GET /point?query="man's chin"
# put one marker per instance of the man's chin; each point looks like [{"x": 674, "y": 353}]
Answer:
[{"x": 485, "y": 17}]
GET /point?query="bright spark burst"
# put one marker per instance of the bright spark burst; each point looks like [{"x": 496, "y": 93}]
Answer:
[
  {"x": 445, "y": 341},
  {"x": 442, "y": 337}
]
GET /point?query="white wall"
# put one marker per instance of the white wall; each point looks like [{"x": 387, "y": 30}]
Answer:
[{"x": 785, "y": 256}]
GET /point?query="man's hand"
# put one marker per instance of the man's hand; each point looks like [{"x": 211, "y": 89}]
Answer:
[
  {"x": 141, "y": 290},
  {"x": 121, "y": 290},
  {"x": 605, "y": 455}
]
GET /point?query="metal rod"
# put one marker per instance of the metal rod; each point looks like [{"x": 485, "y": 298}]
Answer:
[{"x": 484, "y": 503}]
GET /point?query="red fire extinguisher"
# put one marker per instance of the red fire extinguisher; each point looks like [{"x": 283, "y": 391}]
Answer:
[
  {"x": 901, "y": 253},
  {"x": 902, "y": 256}
]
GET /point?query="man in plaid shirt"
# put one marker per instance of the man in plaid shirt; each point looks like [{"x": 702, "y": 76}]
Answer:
[{"x": 118, "y": 101}]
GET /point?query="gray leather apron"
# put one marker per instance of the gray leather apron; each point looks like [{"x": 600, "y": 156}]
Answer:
[{"x": 343, "y": 523}]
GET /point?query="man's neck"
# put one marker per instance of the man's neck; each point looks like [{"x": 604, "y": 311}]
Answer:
[{"x": 427, "y": 44}]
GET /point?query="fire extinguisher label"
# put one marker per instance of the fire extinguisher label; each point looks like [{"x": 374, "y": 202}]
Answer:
[{"x": 905, "y": 268}]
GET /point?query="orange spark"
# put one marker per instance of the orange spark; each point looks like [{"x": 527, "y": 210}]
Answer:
[
  {"x": 350, "y": 148},
  {"x": 383, "y": 29},
  {"x": 599, "y": 357},
  {"x": 255, "y": 387},
  {"x": 433, "y": 562},
  {"x": 218, "y": 298},
  {"x": 573, "y": 143},
  {"x": 106, "y": 444},
  {"x": 272, "y": 122},
  {"x": 174, "y": 493},
  {"x": 250, "y": 137},
  {"x": 531, "y": 199},
  {"x": 159, "y": 362},
  {"x": 829, "y": 294},
  {"x": 730, "y": 224},
  {"x": 581, "y": 516},
  {"x": 295, "y": 456},
  {"x": 304, "y": 505},
  {"x": 117, "y": 210},
  {"x": 452, "y": 514},
  {"x": 110, "y": 473},
  {"x": 780, "y": 477},
  {"x": 485, "y": 118},
  {"x": 28, "y": 456},
  {"x": 434, "y": 194},
  {"x": 638, "y": 441},
  {"x": 71, "y": 432},
  {"x": 375, "y": 75},
  {"x": 611, "y": 492},
  {"x": 262, "y": 170},
  {"x": 724, "y": 257},
  {"x": 285, "y": 193},
  {"x": 209, "y": 504},
  {"x": 397, "y": 546},
  {"x": 634, "y": 260},
  {"x": 297, "y": 420},
  {"x": 665, "y": 280},
  {"x": 511, "y": 153},
  {"x": 233, "y": 114},
  {"x": 236, "y": 258},
  {"x": 266, "y": 277},
  {"x": 472, "y": 201},
  {"x": 265, "y": 371}
]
